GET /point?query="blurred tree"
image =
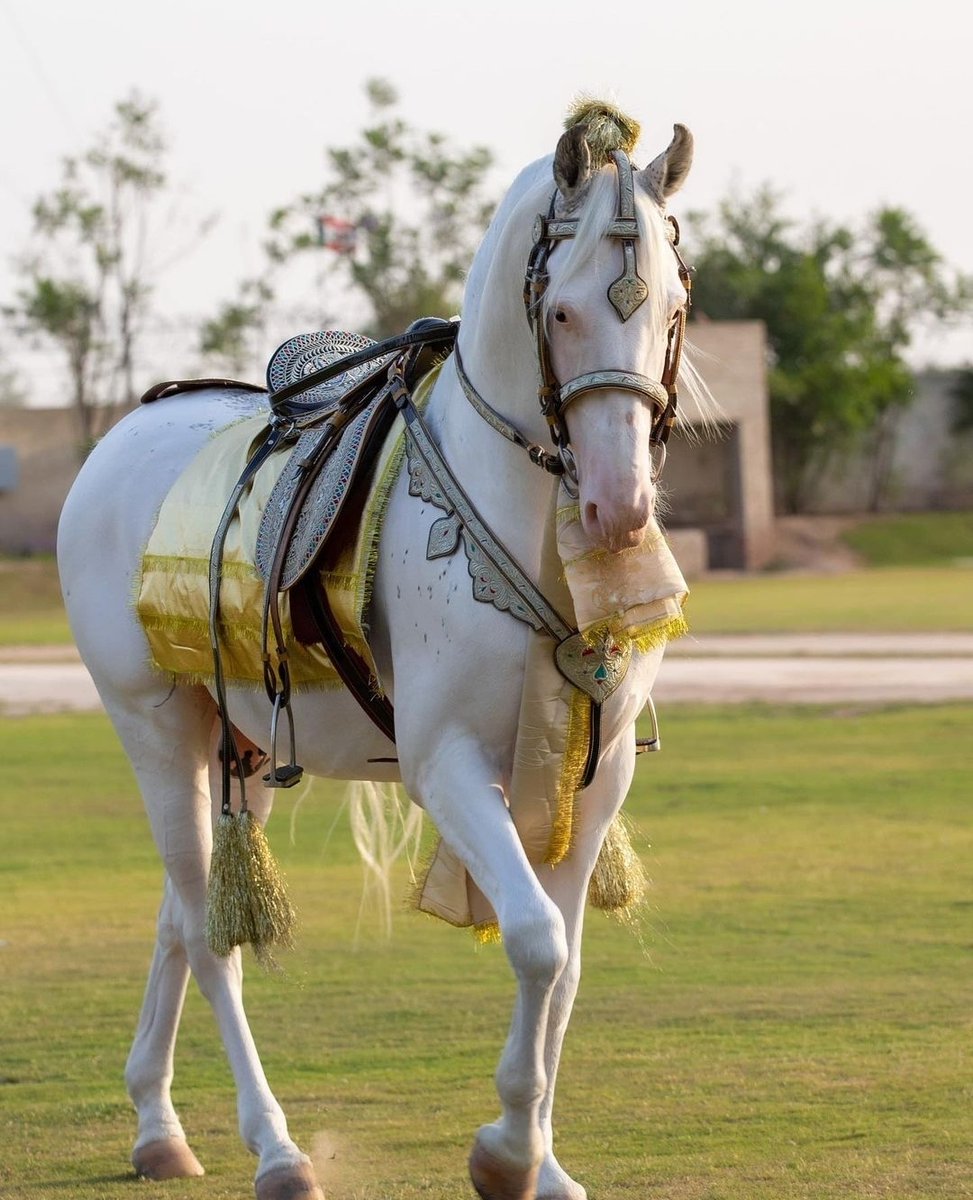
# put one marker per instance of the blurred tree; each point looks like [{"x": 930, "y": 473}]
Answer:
[
  {"x": 397, "y": 221},
  {"x": 232, "y": 336},
  {"x": 840, "y": 308},
  {"x": 412, "y": 210},
  {"x": 87, "y": 282}
]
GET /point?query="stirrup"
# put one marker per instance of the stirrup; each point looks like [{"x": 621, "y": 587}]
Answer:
[
  {"x": 647, "y": 745},
  {"x": 290, "y": 773}
]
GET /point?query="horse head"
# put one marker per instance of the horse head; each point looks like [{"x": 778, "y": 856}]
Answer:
[{"x": 607, "y": 298}]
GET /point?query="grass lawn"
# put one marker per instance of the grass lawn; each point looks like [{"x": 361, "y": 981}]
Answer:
[
  {"x": 900, "y": 599},
  {"x": 914, "y": 539},
  {"x": 879, "y": 600},
  {"x": 31, "y": 610},
  {"x": 793, "y": 1020}
]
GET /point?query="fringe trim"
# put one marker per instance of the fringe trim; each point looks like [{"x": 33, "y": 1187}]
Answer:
[
  {"x": 374, "y": 519},
  {"x": 487, "y": 933},
  {"x": 573, "y": 762},
  {"x": 618, "y": 883},
  {"x": 175, "y": 564},
  {"x": 658, "y": 633},
  {"x": 643, "y": 638}
]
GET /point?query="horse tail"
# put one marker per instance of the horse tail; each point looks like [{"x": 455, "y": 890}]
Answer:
[{"x": 385, "y": 825}]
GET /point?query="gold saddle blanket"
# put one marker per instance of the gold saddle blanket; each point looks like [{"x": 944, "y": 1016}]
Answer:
[{"x": 173, "y": 599}]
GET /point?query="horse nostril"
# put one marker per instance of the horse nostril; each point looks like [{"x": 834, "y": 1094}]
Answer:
[{"x": 589, "y": 518}]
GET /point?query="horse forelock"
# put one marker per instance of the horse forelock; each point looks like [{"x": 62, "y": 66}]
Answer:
[{"x": 589, "y": 246}]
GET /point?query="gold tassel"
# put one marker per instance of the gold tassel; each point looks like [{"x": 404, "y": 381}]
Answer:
[
  {"x": 246, "y": 900},
  {"x": 487, "y": 933},
  {"x": 618, "y": 882}
]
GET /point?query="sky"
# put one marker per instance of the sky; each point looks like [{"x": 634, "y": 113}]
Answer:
[{"x": 842, "y": 106}]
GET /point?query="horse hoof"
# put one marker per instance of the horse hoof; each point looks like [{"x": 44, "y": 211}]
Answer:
[
  {"x": 166, "y": 1158},
  {"x": 494, "y": 1180},
  {"x": 562, "y": 1191},
  {"x": 289, "y": 1183}
]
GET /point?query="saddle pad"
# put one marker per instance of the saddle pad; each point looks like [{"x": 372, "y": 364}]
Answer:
[{"x": 173, "y": 590}]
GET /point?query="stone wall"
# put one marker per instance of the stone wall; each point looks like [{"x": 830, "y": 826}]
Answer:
[
  {"x": 45, "y": 444},
  {"x": 924, "y": 464}
]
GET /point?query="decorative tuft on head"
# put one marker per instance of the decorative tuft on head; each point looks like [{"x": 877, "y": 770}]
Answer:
[{"x": 607, "y": 128}]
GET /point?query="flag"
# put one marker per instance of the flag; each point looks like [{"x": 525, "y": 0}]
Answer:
[{"x": 338, "y": 235}]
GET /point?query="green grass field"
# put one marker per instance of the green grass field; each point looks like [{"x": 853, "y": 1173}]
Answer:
[
  {"x": 793, "y": 1020},
  {"x": 903, "y": 599},
  {"x": 914, "y": 539},
  {"x": 880, "y": 600}
]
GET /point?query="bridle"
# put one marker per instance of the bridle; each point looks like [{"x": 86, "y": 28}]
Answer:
[{"x": 626, "y": 294}]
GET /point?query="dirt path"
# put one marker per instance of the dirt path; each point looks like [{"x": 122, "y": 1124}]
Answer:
[{"x": 783, "y": 669}]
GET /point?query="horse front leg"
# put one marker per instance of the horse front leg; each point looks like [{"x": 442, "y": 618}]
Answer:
[
  {"x": 567, "y": 886},
  {"x": 508, "y": 1153}
]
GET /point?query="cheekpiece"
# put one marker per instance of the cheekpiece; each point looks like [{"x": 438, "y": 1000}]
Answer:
[{"x": 306, "y": 353}]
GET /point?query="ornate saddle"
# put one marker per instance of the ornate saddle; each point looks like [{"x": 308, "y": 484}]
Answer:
[
  {"x": 329, "y": 456},
  {"x": 330, "y": 397}
]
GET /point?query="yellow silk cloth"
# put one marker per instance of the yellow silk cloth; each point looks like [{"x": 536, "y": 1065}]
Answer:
[
  {"x": 638, "y": 596},
  {"x": 173, "y": 590}
]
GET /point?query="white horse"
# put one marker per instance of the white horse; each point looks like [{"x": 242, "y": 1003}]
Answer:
[{"x": 453, "y": 668}]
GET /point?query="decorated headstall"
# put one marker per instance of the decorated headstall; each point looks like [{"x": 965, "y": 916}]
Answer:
[{"x": 626, "y": 294}]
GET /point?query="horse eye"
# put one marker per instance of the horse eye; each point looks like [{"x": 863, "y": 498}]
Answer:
[{"x": 561, "y": 316}]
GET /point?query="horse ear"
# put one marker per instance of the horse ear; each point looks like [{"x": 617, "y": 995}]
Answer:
[
  {"x": 572, "y": 163},
  {"x": 667, "y": 173}
]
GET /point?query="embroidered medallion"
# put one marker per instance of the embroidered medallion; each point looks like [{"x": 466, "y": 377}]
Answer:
[{"x": 596, "y": 664}]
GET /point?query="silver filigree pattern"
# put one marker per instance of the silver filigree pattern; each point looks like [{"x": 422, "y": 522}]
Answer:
[
  {"x": 319, "y": 508},
  {"x": 490, "y": 586},
  {"x": 306, "y": 353},
  {"x": 497, "y": 578}
]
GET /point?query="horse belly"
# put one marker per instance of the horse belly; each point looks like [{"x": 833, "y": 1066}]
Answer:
[{"x": 334, "y": 738}]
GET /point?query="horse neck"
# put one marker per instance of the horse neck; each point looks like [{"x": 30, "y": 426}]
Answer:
[{"x": 499, "y": 357}]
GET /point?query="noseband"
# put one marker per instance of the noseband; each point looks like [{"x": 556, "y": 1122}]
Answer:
[{"x": 626, "y": 294}]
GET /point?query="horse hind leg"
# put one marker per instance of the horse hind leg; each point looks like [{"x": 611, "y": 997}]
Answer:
[
  {"x": 161, "y": 1151},
  {"x": 170, "y": 747}
]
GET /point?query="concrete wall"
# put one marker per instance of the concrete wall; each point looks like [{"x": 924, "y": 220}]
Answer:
[
  {"x": 722, "y": 480},
  {"x": 929, "y": 466},
  {"x": 723, "y": 488},
  {"x": 45, "y": 443}
]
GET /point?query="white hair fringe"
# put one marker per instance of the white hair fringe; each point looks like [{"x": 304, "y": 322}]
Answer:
[{"x": 385, "y": 826}]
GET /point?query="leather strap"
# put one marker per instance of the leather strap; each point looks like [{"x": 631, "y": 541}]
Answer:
[
  {"x": 172, "y": 387},
  {"x": 353, "y": 672},
  {"x": 628, "y": 381},
  {"x": 537, "y": 454}
]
